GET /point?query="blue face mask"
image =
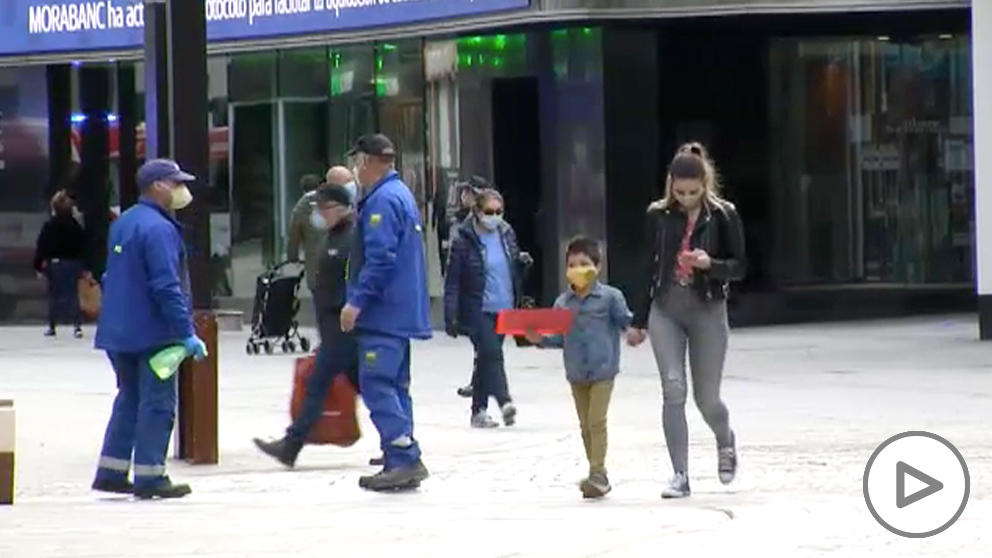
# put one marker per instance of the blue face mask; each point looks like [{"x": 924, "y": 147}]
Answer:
[
  {"x": 317, "y": 220},
  {"x": 490, "y": 222},
  {"x": 352, "y": 190}
]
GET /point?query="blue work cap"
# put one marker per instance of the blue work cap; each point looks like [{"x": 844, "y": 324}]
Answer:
[{"x": 161, "y": 169}]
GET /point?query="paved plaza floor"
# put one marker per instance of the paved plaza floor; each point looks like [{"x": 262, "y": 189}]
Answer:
[{"x": 809, "y": 404}]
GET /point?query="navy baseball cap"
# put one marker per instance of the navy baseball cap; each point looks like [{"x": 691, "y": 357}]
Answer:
[
  {"x": 373, "y": 144},
  {"x": 161, "y": 169}
]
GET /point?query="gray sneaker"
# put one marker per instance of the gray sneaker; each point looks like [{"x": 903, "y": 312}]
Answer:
[
  {"x": 596, "y": 486},
  {"x": 727, "y": 464},
  {"x": 482, "y": 419},
  {"x": 509, "y": 411},
  {"x": 678, "y": 487}
]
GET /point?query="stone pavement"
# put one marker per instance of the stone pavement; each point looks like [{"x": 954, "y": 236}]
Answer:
[{"x": 809, "y": 404}]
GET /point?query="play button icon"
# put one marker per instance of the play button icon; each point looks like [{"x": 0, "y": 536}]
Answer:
[
  {"x": 916, "y": 484},
  {"x": 932, "y": 485}
]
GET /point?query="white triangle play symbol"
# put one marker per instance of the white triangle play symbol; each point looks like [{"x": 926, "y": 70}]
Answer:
[{"x": 931, "y": 487}]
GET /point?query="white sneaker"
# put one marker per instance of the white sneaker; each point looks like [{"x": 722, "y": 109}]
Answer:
[{"x": 678, "y": 487}]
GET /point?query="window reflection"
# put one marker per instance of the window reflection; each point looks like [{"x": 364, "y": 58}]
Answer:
[{"x": 874, "y": 175}]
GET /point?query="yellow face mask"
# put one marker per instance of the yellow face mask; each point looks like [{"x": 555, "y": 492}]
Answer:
[{"x": 581, "y": 276}]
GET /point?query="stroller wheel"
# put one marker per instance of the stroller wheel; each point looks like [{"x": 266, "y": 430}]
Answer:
[
  {"x": 304, "y": 344},
  {"x": 291, "y": 345},
  {"x": 254, "y": 348},
  {"x": 248, "y": 349},
  {"x": 268, "y": 347},
  {"x": 285, "y": 346}
]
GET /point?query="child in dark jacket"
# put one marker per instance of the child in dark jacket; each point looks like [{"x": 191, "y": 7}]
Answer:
[
  {"x": 591, "y": 352},
  {"x": 60, "y": 257}
]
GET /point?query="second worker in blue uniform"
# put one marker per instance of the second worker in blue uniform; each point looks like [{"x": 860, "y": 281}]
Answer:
[{"x": 387, "y": 306}]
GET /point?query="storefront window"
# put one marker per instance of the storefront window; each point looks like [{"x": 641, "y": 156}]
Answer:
[
  {"x": 578, "y": 67},
  {"x": 219, "y": 182},
  {"x": 23, "y": 176},
  {"x": 873, "y": 179},
  {"x": 352, "y": 93},
  {"x": 399, "y": 78},
  {"x": 301, "y": 134},
  {"x": 252, "y": 113}
]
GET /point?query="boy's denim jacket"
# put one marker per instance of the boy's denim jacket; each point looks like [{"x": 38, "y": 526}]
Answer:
[{"x": 592, "y": 344}]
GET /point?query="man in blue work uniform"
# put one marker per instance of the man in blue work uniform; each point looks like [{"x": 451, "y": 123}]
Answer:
[
  {"x": 146, "y": 307},
  {"x": 387, "y": 306}
]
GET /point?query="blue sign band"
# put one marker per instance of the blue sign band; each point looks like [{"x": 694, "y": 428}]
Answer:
[{"x": 40, "y": 26}]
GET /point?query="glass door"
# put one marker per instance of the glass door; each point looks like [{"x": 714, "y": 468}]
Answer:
[
  {"x": 252, "y": 164},
  {"x": 302, "y": 145}
]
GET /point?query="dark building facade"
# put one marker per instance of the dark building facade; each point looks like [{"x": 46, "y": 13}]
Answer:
[{"x": 842, "y": 131}]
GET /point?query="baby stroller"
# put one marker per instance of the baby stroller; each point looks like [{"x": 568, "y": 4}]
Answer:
[{"x": 273, "y": 317}]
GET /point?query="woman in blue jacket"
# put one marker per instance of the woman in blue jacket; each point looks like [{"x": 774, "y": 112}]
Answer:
[{"x": 485, "y": 268}]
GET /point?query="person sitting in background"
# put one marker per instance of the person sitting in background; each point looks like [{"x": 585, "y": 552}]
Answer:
[{"x": 60, "y": 257}]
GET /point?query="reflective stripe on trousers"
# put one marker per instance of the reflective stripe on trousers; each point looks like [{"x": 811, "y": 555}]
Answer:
[
  {"x": 114, "y": 464},
  {"x": 149, "y": 470}
]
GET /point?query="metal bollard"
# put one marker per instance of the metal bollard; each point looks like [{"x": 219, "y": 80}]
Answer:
[{"x": 7, "y": 434}]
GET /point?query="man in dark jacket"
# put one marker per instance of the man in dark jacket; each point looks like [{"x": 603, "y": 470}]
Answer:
[
  {"x": 302, "y": 233},
  {"x": 147, "y": 308},
  {"x": 337, "y": 352}
]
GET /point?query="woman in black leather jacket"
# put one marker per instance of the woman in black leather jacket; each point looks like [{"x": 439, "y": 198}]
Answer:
[{"x": 694, "y": 247}]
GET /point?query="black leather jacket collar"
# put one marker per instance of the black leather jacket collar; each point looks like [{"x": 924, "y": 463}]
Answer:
[{"x": 718, "y": 231}]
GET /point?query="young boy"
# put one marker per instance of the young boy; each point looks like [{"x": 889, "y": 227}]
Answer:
[{"x": 591, "y": 352}]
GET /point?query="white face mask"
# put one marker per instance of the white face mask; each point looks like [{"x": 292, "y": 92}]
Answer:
[
  {"x": 352, "y": 188},
  {"x": 317, "y": 220},
  {"x": 181, "y": 197},
  {"x": 490, "y": 222}
]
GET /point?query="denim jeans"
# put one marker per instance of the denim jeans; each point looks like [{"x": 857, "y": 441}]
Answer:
[
  {"x": 337, "y": 353},
  {"x": 63, "y": 293},
  {"x": 490, "y": 376},
  {"x": 682, "y": 323}
]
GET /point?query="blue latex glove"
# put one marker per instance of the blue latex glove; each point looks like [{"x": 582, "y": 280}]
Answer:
[{"x": 195, "y": 347}]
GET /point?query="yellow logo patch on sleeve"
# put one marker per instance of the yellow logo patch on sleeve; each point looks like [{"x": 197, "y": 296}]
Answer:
[{"x": 375, "y": 219}]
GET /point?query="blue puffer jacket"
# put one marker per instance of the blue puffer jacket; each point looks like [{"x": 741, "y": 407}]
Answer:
[{"x": 465, "y": 281}]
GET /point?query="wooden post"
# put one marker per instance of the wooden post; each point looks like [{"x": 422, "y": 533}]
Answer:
[
  {"x": 7, "y": 439},
  {"x": 198, "y": 399}
]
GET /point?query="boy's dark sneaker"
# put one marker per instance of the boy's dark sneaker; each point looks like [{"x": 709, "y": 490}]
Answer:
[
  {"x": 78, "y": 333},
  {"x": 378, "y": 461},
  {"x": 121, "y": 486},
  {"x": 678, "y": 487},
  {"x": 596, "y": 486},
  {"x": 165, "y": 490},
  {"x": 50, "y": 332},
  {"x": 465, "y": 391},
  {"x": 509, "y": 411}
]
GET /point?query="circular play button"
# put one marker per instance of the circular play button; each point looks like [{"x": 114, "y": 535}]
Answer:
[{"x": 916, "y": 484}]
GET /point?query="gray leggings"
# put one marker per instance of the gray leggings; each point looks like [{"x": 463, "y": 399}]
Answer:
[{"x": 682, "y": 320}]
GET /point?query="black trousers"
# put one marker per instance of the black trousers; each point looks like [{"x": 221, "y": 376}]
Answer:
[{"x": 63, "y": 291}]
